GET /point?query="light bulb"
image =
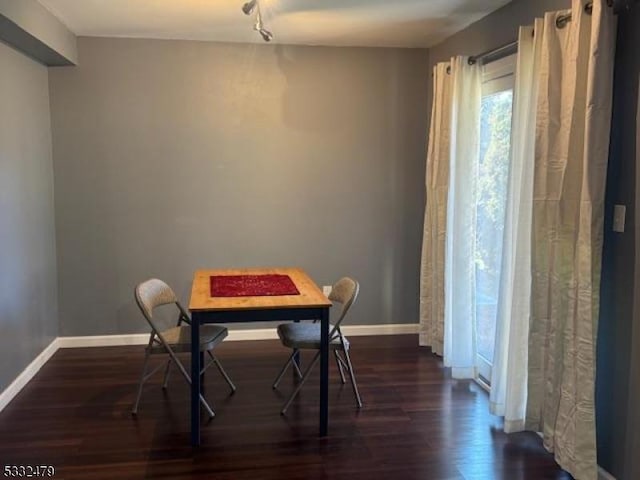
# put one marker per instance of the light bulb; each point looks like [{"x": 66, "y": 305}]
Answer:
[
  {"x": 249, "y": 7},
  {"x": 267, "y": 36}
]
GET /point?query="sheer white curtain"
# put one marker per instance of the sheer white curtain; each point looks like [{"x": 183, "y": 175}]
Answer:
[
  {"x": 509, "y": 373},
  {"x": 572, "y": 140},
  {"x": 459, "y": 324},
  {"x": 435, "y": 215},
  {"x": 447, "y": 282}
]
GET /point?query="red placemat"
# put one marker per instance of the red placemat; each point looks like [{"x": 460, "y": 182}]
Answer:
[{"x": 252, "y": 285}]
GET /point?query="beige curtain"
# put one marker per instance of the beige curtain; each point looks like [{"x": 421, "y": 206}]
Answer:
[
  {"x": 572, "y": 140},
  {"x": 435, "y": 216}
]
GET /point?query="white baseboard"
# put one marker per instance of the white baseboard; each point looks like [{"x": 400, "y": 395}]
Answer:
[
  {"x": 103, "y": 340},
  {"x": 27, "y": 374},
  {"x": 386, "y": 329},
  {"x": 252, "y": 334},
  {"x": 604, "y": 475},
  {"x": 234, "y": 335}
]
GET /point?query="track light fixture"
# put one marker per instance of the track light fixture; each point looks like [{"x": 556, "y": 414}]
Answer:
[{"x": 253, "y": 6}]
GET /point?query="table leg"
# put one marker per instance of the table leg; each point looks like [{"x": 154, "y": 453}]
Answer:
[
  {"x": 195, "y": 379},
  {"x": 324, "y": 372},
  {"x": 202, "y": 375}
]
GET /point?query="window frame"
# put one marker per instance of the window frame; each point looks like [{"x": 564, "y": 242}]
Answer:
[{"x": 499, "y": 75}]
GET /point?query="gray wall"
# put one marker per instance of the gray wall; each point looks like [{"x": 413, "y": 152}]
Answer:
[
  {"x": 28, "y": 303},
  {"x": 615, "y": 415},
  {"x": 32, "y": 29},
  {"x": 176, "y": 155}
]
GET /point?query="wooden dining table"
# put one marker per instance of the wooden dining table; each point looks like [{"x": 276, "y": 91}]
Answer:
[{"x": 308, "y": 304}]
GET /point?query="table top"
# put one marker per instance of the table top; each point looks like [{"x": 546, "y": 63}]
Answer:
[{"x": 310, "y": 295}]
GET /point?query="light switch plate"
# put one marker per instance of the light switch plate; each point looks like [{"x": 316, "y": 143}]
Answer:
[
  {"x": 326, "y": 290},
  {"x": 619, "y": 214}
]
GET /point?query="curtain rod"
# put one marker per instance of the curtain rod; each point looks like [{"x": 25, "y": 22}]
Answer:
[
  {"x": 561, "y": 22},
  {"x": 494, "y": 52}
]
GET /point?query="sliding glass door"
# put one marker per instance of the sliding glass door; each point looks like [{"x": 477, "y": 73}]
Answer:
[{"x": 493, "y": 172}]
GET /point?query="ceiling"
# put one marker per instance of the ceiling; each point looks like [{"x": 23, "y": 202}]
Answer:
[{"x": 370, "y": 23}]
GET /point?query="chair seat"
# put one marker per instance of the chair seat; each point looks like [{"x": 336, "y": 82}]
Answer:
[
  {"x": 180, "y": 338},
  {"x": 307, "y": 336}
]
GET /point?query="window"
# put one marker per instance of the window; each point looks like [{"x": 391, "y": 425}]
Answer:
[{"x": 493, "y": 172}]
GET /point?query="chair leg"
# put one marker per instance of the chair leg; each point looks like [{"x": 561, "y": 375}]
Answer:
[
  {"x": 284, "y": 369},
  {"x": 353, "y": 378},
  {"x": 207, "y": 407},
  {"x": 339, "y": 363},
  {"x": 296, "y": 364},
  {"x": 167, "y": 370},
  {"x": 187, "y": 378},
  {"x": 299, "y": 387},
  {"x": 134, "y": 410},
  {"x": 341, "y": 360},
  {"x": 222, "y": 371}
]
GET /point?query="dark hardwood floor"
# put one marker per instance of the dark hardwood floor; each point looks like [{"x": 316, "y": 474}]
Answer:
[{"x": 416, "y": 423}]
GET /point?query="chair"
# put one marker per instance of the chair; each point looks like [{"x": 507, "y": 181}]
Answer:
[
  {"x": 155, "y": 293},
  {"x": 306, "y": 336}
]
